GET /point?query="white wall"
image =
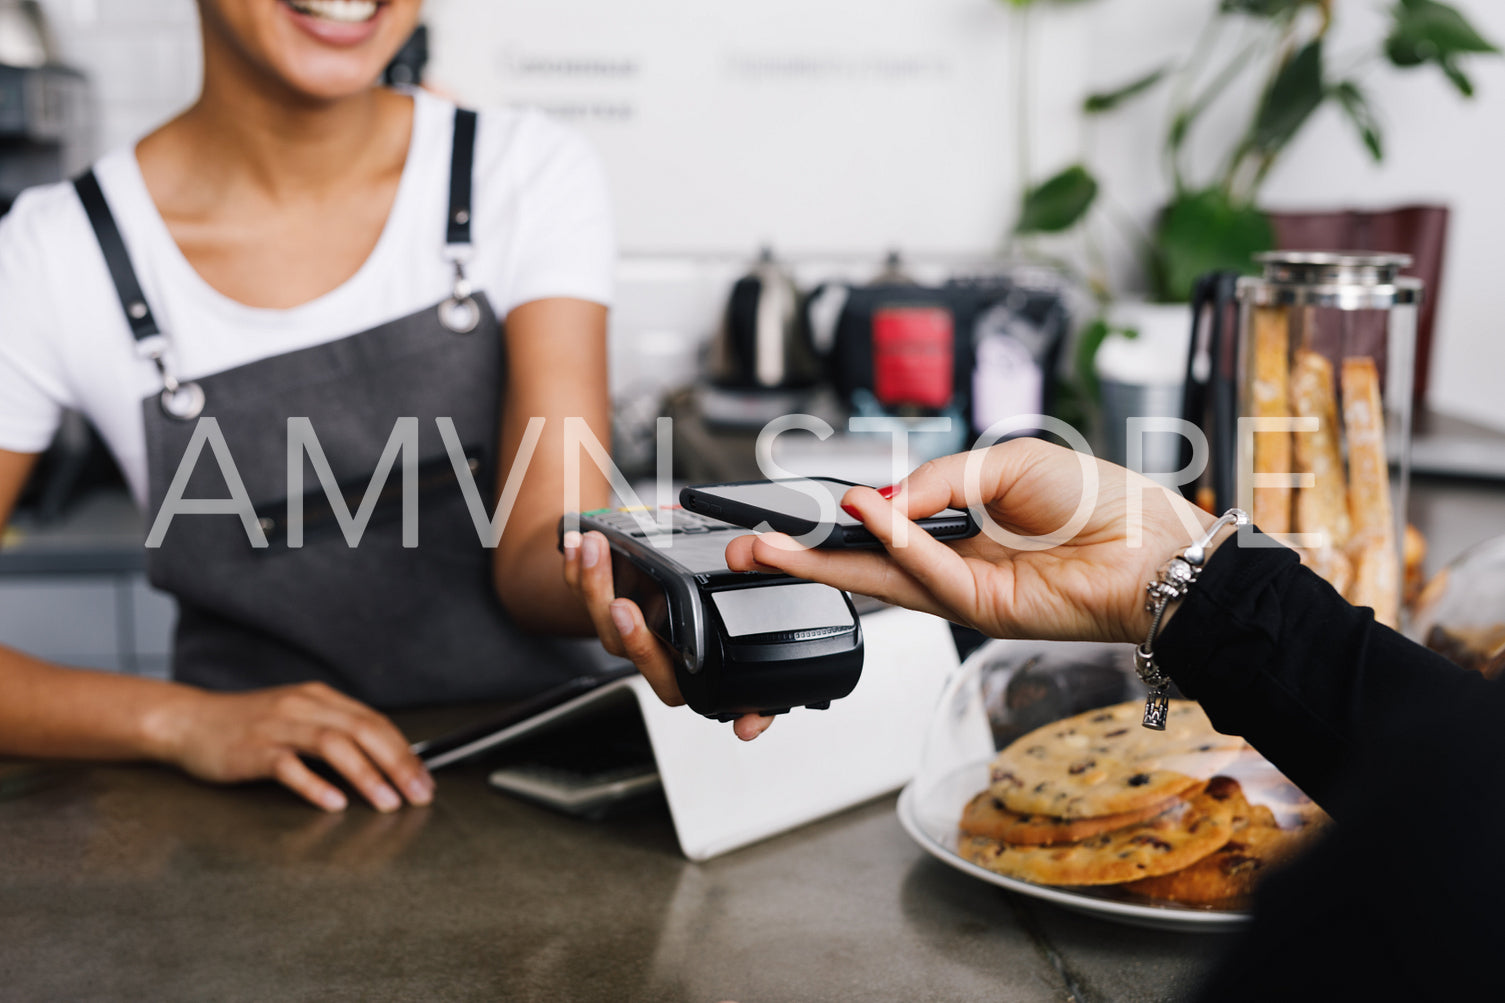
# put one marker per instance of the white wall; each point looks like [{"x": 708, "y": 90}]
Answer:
[
  {"x": 141, "y": 55},
  {"x": 899, "y": 135},
  {"x": 818, "y": 126},
  {"x": 1439, "y": 148}
]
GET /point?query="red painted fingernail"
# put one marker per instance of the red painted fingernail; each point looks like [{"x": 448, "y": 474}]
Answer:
[
  {"x": 851, "y": 510},
  {"x": 889, "y": 491}
]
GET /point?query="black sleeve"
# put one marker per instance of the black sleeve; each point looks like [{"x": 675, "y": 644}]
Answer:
[{"x": 1405, "y": 749}]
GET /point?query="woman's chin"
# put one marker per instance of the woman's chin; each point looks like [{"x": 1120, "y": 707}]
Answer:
[{"x": 329, "y": 80}]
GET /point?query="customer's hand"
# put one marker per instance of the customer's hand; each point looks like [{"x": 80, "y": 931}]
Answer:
[
  {"x": 619, "y": 624},
  {"x": 1088, "y": 586},
  {"x": 234, "y": 737}
]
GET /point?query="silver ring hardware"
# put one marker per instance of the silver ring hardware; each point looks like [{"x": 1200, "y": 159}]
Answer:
[
  {"x": 183, "y": 401},
  {"x": 460, "y": 313}
]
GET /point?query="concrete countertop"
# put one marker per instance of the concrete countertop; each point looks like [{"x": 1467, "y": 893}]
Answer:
[{"x": 138, "y": 883}]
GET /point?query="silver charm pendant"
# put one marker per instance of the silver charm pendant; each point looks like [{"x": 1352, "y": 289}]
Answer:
[
  {"x": 1156, "y": 710},
  {"x": 460, "y": 315},
  {"x": 184, "y": 401}
]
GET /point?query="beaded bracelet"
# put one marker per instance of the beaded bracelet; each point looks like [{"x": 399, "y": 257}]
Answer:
[{"x": 1175, "y": 579}]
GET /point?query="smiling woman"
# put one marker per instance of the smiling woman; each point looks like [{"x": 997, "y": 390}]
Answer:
[
  {"x": 325, "y": 48},
  {"x": 301, "y": 245}
]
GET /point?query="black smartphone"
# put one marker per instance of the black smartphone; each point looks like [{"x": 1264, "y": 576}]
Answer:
[{"x": 807, "y": 507}]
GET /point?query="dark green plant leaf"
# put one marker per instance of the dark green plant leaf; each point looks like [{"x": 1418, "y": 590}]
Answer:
[
  {"x": 1201, "y": 232},
  {"x": 1088, "y": 343},
  {"x": 1458, "y": 77},
  {"x": 1058, "y": 203},
  {"x": 1096, "y": 104},
  {"x": 1176, "y": 134},
  {"x": 1261, "y": 8},
  {"x": 1425, "y": 31},
  {"x": 1294, "y": 94},
  {"x": 1358, "y": 110}
]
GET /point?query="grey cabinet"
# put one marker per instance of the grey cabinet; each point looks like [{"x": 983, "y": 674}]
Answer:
[
  {"x": 74, "y": 590},
  {"x": 107, "y": 621}
]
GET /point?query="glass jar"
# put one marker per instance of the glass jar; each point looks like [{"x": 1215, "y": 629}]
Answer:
[
  {"x": 1461, "y": 612},
  {"x": 1326, "y": 354}
]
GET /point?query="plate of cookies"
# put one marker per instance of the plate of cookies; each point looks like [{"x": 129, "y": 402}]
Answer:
[{"x": 1038, "y": 777}]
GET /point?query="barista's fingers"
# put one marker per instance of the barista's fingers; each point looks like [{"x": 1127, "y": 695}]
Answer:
[
  {"x": 596, "y": 590},
  {"x": 292, "y": 773},
  {"x": 645, "y": 651},
  {"x": 866, "y": 572},
  {"x": 750, "y": 726},
  {"x": 380, "y": 740},
  {"x": 320, "y": 705},
  {"x": 572, "y": 559},
  {"x": 339, "y": 750},
  {"x": 939, "y": 570}
]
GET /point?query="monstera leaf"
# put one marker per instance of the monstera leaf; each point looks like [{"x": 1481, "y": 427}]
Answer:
[
  {"x": 1058, "y": 203},
  {"x": 1294, "y": 94},
  {"x": 1204, "y": 231},
  {"x": 1425, "y": 31}
]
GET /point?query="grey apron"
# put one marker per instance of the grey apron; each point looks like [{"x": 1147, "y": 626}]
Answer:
[{"x": 390, "y": 625}]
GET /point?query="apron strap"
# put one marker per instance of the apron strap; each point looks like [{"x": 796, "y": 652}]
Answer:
[
  {"x": 183, "y": 401},
  {"x": 461, "y": 166},
  {"x": 117, "y": 258}
]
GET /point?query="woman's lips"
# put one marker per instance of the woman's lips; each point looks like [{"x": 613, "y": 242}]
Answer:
[{"x": 336, "y": 22}]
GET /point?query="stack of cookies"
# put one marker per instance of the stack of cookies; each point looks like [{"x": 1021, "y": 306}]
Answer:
[{"x": 1185, "y": 815}]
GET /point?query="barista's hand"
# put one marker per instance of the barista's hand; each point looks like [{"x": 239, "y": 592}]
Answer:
[
  {"x": 234, "y": 737},
  {"x": 619, "y": 624},
  {"x": 1090, "y": 586}
]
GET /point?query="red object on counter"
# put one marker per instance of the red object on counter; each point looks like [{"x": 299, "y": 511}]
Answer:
[{"x": 913, "y": 356}]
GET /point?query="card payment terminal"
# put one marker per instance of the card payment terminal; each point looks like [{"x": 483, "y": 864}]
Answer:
[{"x": 743, "y": 641}]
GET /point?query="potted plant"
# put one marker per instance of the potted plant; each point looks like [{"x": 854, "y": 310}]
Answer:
[{"x": 1212, "y": 220}]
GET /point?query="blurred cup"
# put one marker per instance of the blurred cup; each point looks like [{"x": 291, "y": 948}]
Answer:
[{"x": 1141, "y": 368}]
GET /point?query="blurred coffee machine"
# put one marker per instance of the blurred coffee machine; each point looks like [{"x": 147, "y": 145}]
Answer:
[
  {"x": 45, "y": 133},
  {"x": 44, "y": 106},
  {"x": 762, "y": 364}
]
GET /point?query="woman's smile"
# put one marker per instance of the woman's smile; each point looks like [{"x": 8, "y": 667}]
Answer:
[{"x": 337, "y": 22}]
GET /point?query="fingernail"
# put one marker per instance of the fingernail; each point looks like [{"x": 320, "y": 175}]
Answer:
[
  {"x": 386, "y": 799},
  {"x": 590, "y": 551},
  {"x": 622, "y": 617},
  {"x": 420, "y": 790},
  {"x": 851, "y": 510},
  {"x": 333, "y": 801},
  {"x": 572, "y": 540},
  {"x": 889, "y": 491}
]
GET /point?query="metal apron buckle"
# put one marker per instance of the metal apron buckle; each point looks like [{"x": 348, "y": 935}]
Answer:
[
  {"x": 179, "y": 401},
  {"x": 460, "y": 313}
]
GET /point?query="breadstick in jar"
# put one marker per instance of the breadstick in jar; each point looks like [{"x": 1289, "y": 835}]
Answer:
[
  {"x": 1376, "y": 581},
  {"x": 1372, "y": 544},
  {"x": 1333, "y": 565},
  {"x": 1323, "y": 507},
  {"x": 1368, "y": 470},
  {"x": 1272, "y": 399}
]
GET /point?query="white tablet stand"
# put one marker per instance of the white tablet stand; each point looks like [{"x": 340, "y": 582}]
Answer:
[{"x": 724, "y": 793}]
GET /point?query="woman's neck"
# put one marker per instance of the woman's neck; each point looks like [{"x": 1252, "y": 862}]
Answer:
[{"x": 248, "y": 134}]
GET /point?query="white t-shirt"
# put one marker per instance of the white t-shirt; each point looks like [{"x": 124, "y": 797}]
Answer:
[{"x": 541, "y": 228}]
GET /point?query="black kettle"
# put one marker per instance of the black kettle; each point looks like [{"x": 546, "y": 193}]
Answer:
[{"x": 764, "y": 342}]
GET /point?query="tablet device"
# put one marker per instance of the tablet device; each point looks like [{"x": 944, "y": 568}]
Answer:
[
  {"x": 518, "y": 719},
  {"x": 804, "y": 506}
]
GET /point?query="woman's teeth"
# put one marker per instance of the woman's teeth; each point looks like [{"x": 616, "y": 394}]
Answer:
[{"x": 343, "y": 11}]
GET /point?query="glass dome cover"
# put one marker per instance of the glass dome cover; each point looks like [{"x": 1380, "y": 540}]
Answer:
[{"x": 1009, "y": 691}]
